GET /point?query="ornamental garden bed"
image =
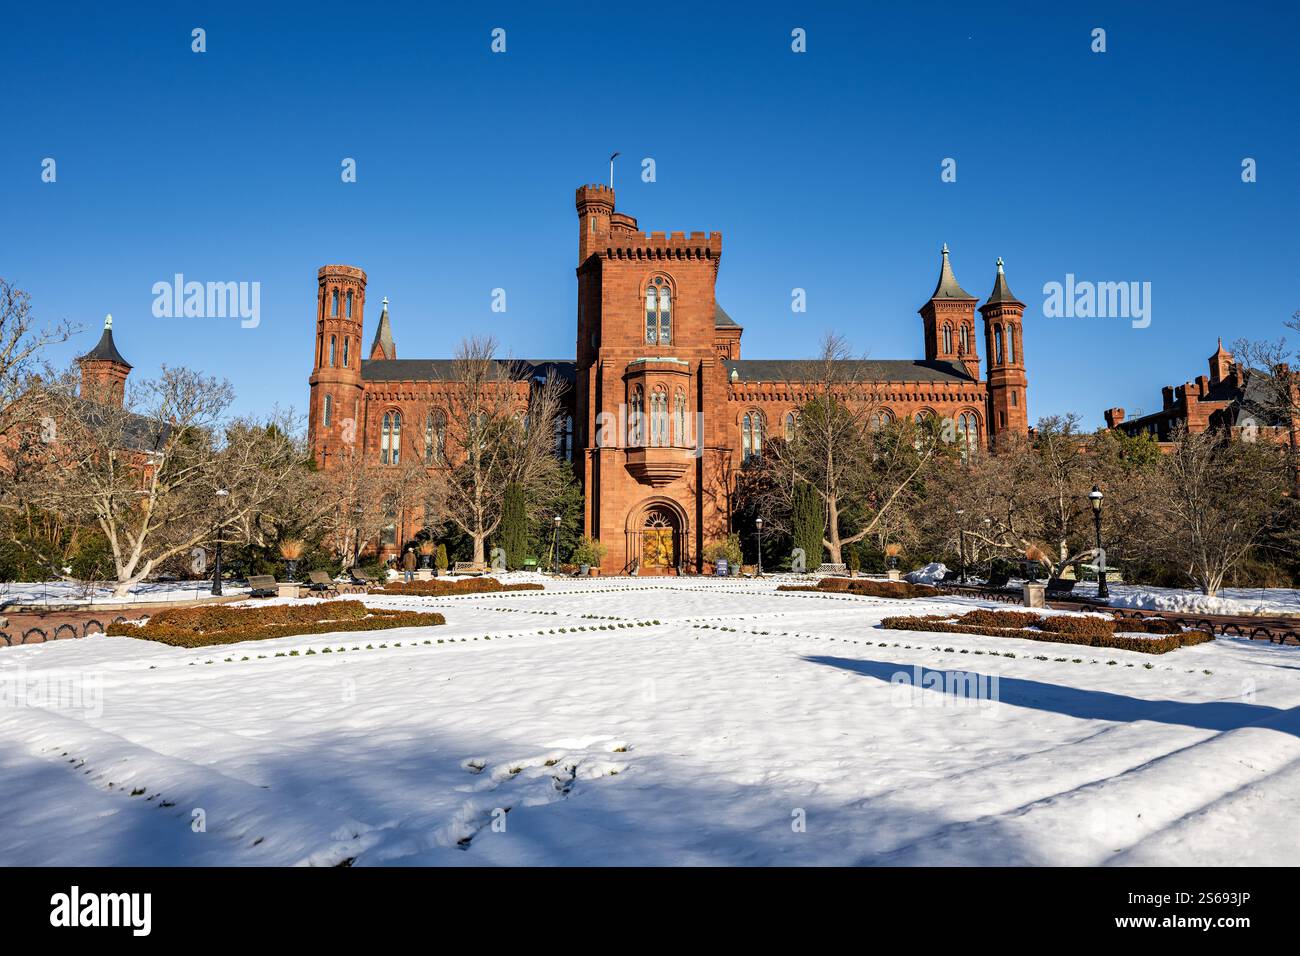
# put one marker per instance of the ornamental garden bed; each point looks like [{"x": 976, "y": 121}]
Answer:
[
  {"x": 447, "y": 588},
  {"x": 866, "y": 588},
  {"x": 222, "y": 624},
  {"x": 1149, "y": 636}
]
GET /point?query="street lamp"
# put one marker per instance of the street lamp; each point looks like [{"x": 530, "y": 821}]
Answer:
[
  {"x": 758, "y": 523},
  {"x": 961, "y": 545},
  {"x": 222, "y": 495},
  {"x": 555, "y": 544},
  {"x": 1094, "y": 497}
]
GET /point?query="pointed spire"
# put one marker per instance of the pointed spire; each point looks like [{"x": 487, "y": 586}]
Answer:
[
  {"x": 948, "y": 287},
  {"x": 105, "y": 350},
  {"x": 1001, "y": 291},
  {"x": 383, "y": 347}
]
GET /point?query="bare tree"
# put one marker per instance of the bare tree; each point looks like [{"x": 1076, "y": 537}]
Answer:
[
  {"x": 147, "y": 472},
  {"x": 501, "y": 431}
]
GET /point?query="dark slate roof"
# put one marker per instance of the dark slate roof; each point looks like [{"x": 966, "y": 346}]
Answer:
[
  {"x": 436, "y": 370},
  {"x": 864, "y": 370},
  {"x": 723, "y": 321},
  {"x": 948, "y": 287},
  {"x": 105, "y": 351},
  {"x": 384, "y": 336},
  {"x": 1001, "y": 291},
  {"x": 139, "y": 433}
]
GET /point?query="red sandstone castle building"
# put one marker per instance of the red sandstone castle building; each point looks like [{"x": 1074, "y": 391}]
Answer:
[{"x": 656, "y": 350}]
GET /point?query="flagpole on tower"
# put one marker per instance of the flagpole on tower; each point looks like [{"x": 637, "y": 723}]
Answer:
[{"x": 612, "y": 157}]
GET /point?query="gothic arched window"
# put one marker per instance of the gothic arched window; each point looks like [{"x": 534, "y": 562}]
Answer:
[
  {"x": 881, "y": 419},
  {"x": 997, "y": 343},
  {"x": 790, "y": 423},
  {"x": 329, "y": 410},
  {"x": 347, "y": 342},
  {"x": 947, "y": 339},
  {"x": 751, "y": 436},
  {"x": 635, "y": 415},
  {"x": 965, "y": 341},
  {"x": 968, "y": 433},
  {"x": 390, "y": 439},
  {"x": 332, "y": 347},
  {"x": 334, "y": 303},
  {"x": 658, "y": 312},
  {"x": 679, "y": 413},
  {"x": 349, "y": 305},
  {"x": 564, "y": 437},
  {"x": 1011, "y": 344},
  {"x": 659, "y": 418}
]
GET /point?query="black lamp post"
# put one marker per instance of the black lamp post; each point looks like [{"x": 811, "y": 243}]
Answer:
[
  {"x": 222, "y": 495},
  {"x": 758, "y": 523},
  {"x": 555, "y": 545},
  {"x": 961, "y": 545},
  {"x": 1094, "y": 497}
]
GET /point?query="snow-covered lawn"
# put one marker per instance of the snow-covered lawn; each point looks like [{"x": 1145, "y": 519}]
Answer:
[{"x": 746, "y": 727}]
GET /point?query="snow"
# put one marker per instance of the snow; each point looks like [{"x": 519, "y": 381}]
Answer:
[
  {"x": 746, "y": 727},
  {"x": 1271, "y": 602},
  {"x": 932, "y": 573},
  {"x": 78, "y": 592}
]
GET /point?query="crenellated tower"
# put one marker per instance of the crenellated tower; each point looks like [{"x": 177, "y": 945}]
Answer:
[
  {"x": 949, "y": 319},
  {"x": 333, "y": 420},
  {"x": 1003, "y": 314}
]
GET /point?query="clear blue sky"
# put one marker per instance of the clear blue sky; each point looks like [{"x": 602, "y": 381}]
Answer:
[{"x": 821, "y": 170}]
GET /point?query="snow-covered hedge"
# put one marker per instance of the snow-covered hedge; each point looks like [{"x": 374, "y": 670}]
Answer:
[{"x": 1088, "y": 630}]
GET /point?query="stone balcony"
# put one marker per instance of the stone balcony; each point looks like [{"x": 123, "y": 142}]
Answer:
[{"x": 658, "y": 466}]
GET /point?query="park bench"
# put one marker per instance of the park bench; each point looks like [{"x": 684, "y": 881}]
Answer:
[
  {"x": 1056, "y": 587},
  {"x": 321, "y": 583},
  {"x": 360, "y": 579},
  {"x": 468, "y": 567},
  {"x": 263, "y": 585}
]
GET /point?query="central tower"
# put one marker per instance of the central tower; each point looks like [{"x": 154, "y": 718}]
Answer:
[{"x": 647, "y": 371}]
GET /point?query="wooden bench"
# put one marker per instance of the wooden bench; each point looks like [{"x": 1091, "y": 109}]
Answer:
[
  {"x": 1057, "y": 586},
  {"x": 321, "y": 583},
  {"x": 468, "y": 567},
  {"x": 263, "y": 585}
]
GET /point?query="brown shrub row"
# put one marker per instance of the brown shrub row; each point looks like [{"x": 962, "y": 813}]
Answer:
[
  {"x": 866, "y": 588},
  {"x": 1056, "y": 629},
  {"x": 437, "y": 588},
  {"x": 330, "y": 616},
  {"x": 220, "y": 617}
]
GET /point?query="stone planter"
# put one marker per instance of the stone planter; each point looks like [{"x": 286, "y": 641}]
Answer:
[
  {"x": 584, "y": 570},
  {"x": 894, "y": 574},
  {"x": 424, "y": 574},
  {"x": 1035, "y": 594},
  {"x": 287, "y": 590}
]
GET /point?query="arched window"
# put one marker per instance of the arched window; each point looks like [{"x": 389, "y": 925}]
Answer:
[
  {"x": 329, "y": 410},
  {"x": 968, "y": 433},
  {"x": 965, "y": 341},
  {"x": 634, "y": 420},
  {"x": 390, "y": 439},
  {"x": 334, "y": 303},
  {"x": 947, "y": 339},
  {"x": 658, "y": 312},
  {"x": 751, "y": 436},
  {"x": 332, "y": 347},
  {"x": 997, "y": 343},
  {"x": 1011, "y": 344},
  {"x": 880, "y": 419},
  {"x": 564, "y": 437},
  {"x": 659, "y": 418},
  {"x": 347, "y": 342},
  {"x": 679, "y": 413},
  {"x": 790, "y": 423},
  {"x": 349, "y": 308}
]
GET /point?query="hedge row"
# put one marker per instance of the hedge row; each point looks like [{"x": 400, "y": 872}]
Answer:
[
  {"x": 436, "y": 588},
  {"x": 866, "y": 588},
  {"x": 1056, "y": 629},
  {"x": 213, "y": 625}
]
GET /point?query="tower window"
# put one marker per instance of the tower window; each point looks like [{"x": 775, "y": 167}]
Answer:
[
  {"x": 997, "y": 343},
  {"x": 334, "y": 305},
  {"x": 346, "y": 342},
  {"x": 564, "y": 437},
  {"x": 1011, "y": 344},
  {"x": 390, "y": 440},
  {"x": 679, "y": 413},
  {"x": 947, "y": 339},
  {"x": 329, "y": 410},
  {"x": 349, "y": 310},
  {"x": 332, "y": 346},
  {"x": 658, "y": 312},
  {"x": 751, "y": 436},
  {"x": 965, "y": 340}
]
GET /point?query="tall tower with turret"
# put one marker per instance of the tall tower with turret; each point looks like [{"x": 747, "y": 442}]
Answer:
[
  {"x": 103, "y": 370},
  {"x": 1003, "y": 313},
  {"x": 334, "y": 418},
  {"x": 949, "y": 320}
]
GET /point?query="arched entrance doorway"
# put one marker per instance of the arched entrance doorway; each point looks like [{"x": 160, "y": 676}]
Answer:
[{"x": 657, "y": 537}]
